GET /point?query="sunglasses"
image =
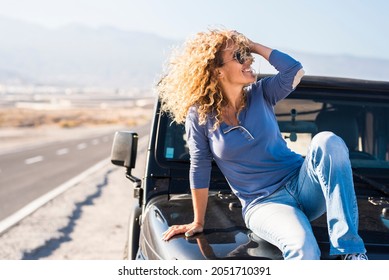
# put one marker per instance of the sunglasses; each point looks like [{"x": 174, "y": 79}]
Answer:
[{"x": 240, "y": 56}]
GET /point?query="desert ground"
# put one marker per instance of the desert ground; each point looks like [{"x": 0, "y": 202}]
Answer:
[{"x": 22, "y": 126}]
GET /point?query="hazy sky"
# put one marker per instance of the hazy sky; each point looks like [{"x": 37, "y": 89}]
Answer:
[{"x": 353, "y": 27}]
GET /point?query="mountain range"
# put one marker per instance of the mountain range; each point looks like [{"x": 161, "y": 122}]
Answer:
[{"x": 77, "y": 55}]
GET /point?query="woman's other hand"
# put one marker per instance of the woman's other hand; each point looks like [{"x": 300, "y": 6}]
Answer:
[{"x": 188, "y": 229}]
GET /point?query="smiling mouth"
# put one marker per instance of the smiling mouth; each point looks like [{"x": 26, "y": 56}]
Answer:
[{"x": 249, "y": 70}]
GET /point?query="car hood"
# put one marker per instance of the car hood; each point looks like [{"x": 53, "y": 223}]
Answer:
[{"x": 225, "y": 235}]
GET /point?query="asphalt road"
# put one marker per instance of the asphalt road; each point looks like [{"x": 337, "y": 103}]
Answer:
[
  {"x": 29, "y": 173},
  {"x": 88, "y": 221}
]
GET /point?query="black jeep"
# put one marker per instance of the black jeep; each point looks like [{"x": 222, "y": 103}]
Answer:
[{"x": 356, "y": 110}]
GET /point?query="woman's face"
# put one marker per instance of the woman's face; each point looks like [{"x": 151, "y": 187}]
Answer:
[{"x": 236, "y": 67}]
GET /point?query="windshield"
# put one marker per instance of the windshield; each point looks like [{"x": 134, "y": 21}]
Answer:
[{"x": 363, "y": 127}]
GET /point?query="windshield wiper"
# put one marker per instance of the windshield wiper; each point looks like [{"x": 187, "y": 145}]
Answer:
[{"x": 376, "y": 185}]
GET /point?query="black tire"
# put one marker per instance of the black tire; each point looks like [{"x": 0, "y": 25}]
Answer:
[{"x": 132, "y": 243}]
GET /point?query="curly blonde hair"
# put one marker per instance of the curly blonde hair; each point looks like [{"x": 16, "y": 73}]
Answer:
[{"x": 190, "y": 77}]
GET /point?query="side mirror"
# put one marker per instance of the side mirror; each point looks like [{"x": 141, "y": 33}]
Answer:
[{"x": 124, "y": 149}]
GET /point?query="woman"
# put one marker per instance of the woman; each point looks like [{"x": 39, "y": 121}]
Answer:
[{"x": 229, "y": 118}]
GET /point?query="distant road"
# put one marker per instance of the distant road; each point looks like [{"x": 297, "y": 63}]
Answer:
[{"x": 30, "y": 173}]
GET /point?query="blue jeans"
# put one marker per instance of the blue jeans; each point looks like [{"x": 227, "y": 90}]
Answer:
[{"x": 324, "y": 183}]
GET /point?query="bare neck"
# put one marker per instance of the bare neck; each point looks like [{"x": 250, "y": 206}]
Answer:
[{"x": 234, "y": 97}]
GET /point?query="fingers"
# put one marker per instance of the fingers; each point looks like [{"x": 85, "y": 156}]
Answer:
[
  {"x": 174, "y": 230},
  {"x": 195, "y": 228},
  {"x": 251, "y": 44},
  {"x": 188, "y": 229},
  {"x": 189, "y": 233}
]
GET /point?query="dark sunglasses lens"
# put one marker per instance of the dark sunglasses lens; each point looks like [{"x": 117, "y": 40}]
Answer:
[{"x": 239, "y": 57}]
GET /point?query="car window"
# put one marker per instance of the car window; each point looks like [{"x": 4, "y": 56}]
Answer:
[
  {"x": 363, "y": 127},
  {"x": 175, "y": 146},
  {"x": 296, "y": 119}
]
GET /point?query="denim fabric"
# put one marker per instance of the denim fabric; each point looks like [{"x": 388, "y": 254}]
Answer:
[{"x": 324, "y": 183}]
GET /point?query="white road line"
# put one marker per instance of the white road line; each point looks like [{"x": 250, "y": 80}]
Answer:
[
  {"x": 82, "y": 146},
  {"x": 33, "y": 160},
  {"x": 61, "y": 152},
  {"x": 39, "y": 202},
  {"x": 15, "y": 218}
]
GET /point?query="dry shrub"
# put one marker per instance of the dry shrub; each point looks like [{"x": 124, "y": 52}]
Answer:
[{"x": 69, "y": 118}]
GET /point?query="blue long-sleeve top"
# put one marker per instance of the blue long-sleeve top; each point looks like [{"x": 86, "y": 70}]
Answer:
[{"x": 253, "y": 156}]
